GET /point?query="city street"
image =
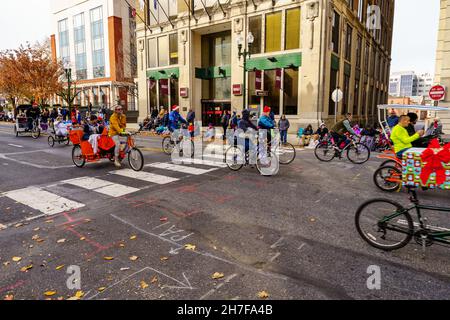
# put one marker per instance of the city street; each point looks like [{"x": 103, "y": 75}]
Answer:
[{"x": 198, "y": 231}]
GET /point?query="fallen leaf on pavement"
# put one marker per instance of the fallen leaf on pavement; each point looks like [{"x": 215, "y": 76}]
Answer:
[
  {"x": 49, "y": 221},
  {"x": 61, "y": 241},
  {"x": 18, "y": 225},
  {"x": 6, "y": 263},
  {"x": 164, "y": 258},
  {"x": 40, "y": 240},
  {"x": 163, "y": 219},
  {"x": 16, "y": 259},
  {"x": 189, "y": 247},
  {"x": 8, "y": 208},
  {"x": 59, "y": 267},
  {"x": 154, "y": 279},
  {"x": 82, "y": 238},
  {"x": 36, "y": 229},
  {"x": 79, "y": 294},
  {"x": 312, "y": 219},
  {"x": 2, "y": 226},
  {"x": 87, "y": 220},
  {"x": 9, "y": 297},
  {"x": 122, "y": 245},
  {"x": 24, "y": 269},
  {"x": 108, "y": 258},
  {"x": 134, "y": 258},
  {"x": 144, "y": 284},
  {"x": 49, "y": 293},
  {"x": 35, "y": 237},
  {"x": 133, "y": 237},
  {"x": 263, "y": 295},
  {"x": 218, "y": 275},
  {"x": 124, "y": 269},
  {"x": 101, "y": 289}
]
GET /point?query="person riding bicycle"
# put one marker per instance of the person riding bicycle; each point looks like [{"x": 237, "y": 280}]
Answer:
[
  {"x": 118, "y": 123},
  {"x": 340, "y": 129},
  {"x": 33, "y": 115},
  {"x": 245, "y": 124},
  {"x": 175, "y": 118},
  {"x": 266, "y": 123},
  {"x": 400, "y": 137}
]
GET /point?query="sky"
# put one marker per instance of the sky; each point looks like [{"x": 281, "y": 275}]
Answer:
[{"x": 414, "y": 43}]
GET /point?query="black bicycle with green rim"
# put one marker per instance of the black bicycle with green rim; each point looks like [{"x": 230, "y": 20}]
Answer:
[{"x": 387, "y": 225}]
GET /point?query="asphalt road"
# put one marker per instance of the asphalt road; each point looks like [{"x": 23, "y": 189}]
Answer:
[{"x": 291, "y": 235}]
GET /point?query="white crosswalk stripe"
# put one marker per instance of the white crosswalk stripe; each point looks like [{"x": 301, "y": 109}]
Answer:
[
  {"x": 43, "y": 201},
  {"x": 179, "y": 168},
  {"x": 144, "y": 176},
  {"x": 102, "y": 186},
  {"x": 211, "y": 162}
]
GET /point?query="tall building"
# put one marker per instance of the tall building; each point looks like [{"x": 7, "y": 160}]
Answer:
[
  {"x": 410, "y": 84},
  {"x": 301, "y": 51},
  {"x": 96, "y": 40},
  {"x": 442, "y": 75}
]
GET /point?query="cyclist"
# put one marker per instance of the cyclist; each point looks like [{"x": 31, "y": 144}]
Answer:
[
  {"x": 266, "y": 123},
  {"x": 33, "y": 115},
  {"x": 245, "y": 124},
  {"x": 175, "y": 118},
  {"x": 400, "y": 137},
  {"x": 118, "y": 123},
  {"x": 340, "y": 129}
]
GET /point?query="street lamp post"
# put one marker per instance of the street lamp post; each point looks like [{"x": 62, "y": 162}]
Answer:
[
  {"x": 68, "y": 72},
  {"x": 245, "y": 54}
]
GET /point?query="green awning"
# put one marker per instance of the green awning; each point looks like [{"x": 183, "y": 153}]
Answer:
[
  {"x": 163, "y": 73},
  {"x": 275, "y": 62}
]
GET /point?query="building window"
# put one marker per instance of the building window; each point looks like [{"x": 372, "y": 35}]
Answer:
[
  {"x": 153, "y": 94},
  {"x": 163, "y": 49},
  {"x": 273, "y": 32},
  {"x": 63, "y": 32},
  {"x": 356, "y": 97},
  {"x": 95, "y": 97},
  {"x": 335, "y": 32},
  {"x": 80, "y": 46},
  {"x": 290, "y": 92},
  {"x": 255, "y": 27},
  {"x": 358, "y": 51},
  {"x": 270, "y": 85},
  {"x": 348, "y": 43},
  {"x": 98, "y": 48},
  {"x": 363, "y": 101},
  {"x": 173, "y": 46},
  {"x": 366, "y": 58},
  {"x": 152, "y": 53},
  {"x": 292, "y": 29},
  {"x": 174, "y": 87},
  {"x": 346, "y": 94},
  {"x": 333, "y": 86}
]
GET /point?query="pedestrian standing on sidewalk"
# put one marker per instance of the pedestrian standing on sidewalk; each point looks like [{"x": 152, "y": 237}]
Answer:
[
  {"x": 283, "y": 125},
  {"x": 225, "y": 122}
]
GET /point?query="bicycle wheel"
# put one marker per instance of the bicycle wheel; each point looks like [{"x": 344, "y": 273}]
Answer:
[
  {"x": 51, "y": 141},
  {"x": 358, "y": 153},
  {"x": 388, "y": 178},
  {"x": 136, "y": 159},
  {"x": 234, "y": 158},
  {"x": 77, "y": 157},
  {"x": 35, "y": 133},
  {"x": 392, "y": 163},
  {"x": 384, "y": 224},
  {"x": 286, "y": 153},
  {"x": 168, "y": 145},
  {"x": 267, "y": 164},
  {"x": 325, "y": 152}
]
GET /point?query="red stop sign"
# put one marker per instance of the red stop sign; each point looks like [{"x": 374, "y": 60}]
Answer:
[{"x": 437, "y": 93}]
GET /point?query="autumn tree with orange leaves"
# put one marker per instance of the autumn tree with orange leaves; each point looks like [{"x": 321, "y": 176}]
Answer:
[{"x": 30, "y": 72}]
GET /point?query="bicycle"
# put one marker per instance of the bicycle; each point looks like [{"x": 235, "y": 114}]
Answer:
[
  {"x": 392, "y": 226},
  {"x": 357, "y": 152},
  {"x": 181, "y": 144},
  {"x": 236, "y": 158},
  {"x": 285, "y": 151}
]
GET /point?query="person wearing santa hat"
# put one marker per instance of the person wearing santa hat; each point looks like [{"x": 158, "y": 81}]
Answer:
[
  {"x": 175, "y": 118},
  {"x": 266, "y": 123}
]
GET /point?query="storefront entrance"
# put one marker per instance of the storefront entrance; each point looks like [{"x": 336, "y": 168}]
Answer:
[{"x": 212, "y": 111}]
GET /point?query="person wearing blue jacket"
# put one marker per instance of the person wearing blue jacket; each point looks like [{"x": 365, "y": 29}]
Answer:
[
  {"x": 266, "y": 122},
  {"x": 175, "y": 118}
]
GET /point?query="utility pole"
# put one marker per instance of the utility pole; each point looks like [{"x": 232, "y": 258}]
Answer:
[{"x": 246, "y": 53}]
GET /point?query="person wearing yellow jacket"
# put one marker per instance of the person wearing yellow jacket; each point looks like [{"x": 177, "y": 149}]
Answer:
[
  {"x": 400, "y": 136},
  {"x": 117, "y": 125}
]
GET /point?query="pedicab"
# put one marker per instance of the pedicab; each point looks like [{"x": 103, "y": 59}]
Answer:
[
  {"x": 83, "y": 152},
  {"x": 21, "y": 125},
  {"x": 388, "y": 177},
  {"x": 60, "y": 134}
]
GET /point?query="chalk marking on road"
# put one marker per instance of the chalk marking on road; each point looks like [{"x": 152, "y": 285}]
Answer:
[
  {"x": 210, "y": 292},
  {"x": 357, "y": 176},
  {"x": 178, "y": 168},
  {"x": 183, "y": 285},
  {"x": 209, "y": 163},
  {"x": 144, "y": 176},
  {"x": 275, "y": 256},
  {"x": 111, "y": 189},
  {"x": 160, "y": 225},
  {"x": 300, "y": 248},
  {"x": 14, "y": 145},
  {"x": 277, "y": 244},
  {"x": 205, "y": 254},
  {"x": 43, "y": 201},
  {"x": 118, "y": 282}
]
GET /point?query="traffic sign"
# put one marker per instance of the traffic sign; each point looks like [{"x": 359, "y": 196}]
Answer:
[
  {"x": 337, "y": 95},
  {"x": 437, "y": 93}
]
